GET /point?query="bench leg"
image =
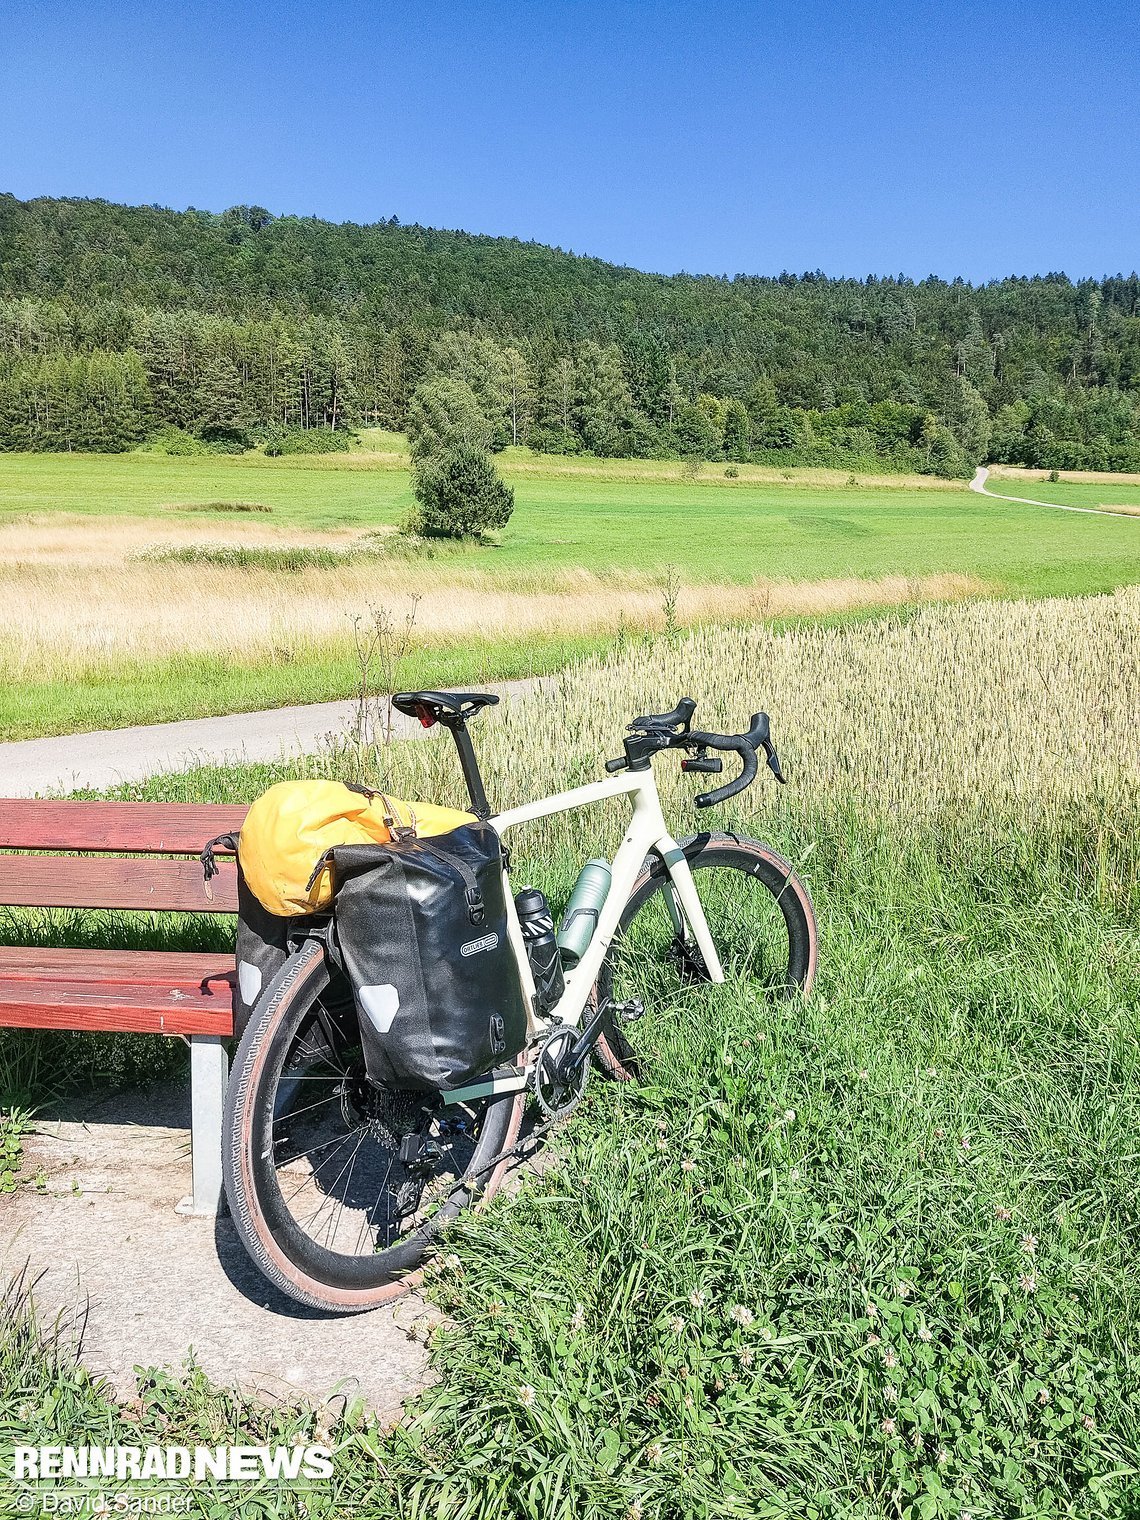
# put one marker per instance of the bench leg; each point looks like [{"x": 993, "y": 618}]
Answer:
[{"x": 209, "y": 1070}]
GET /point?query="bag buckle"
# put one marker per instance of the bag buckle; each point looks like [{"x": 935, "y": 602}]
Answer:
[{"x": 476, "y": 911}]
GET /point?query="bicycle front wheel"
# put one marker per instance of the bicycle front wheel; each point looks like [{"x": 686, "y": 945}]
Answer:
[
  {"x": 338, "y": 1188},
  {"x": 762, "y": 923}
]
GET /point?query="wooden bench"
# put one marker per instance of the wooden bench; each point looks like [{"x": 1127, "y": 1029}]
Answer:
[{"x": 126, "y": 855}]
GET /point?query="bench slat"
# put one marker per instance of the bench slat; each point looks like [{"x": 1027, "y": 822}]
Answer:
[
  {"x": 110, "y": 1007},
  {"x": 146, "y": 828},
  {"x": 179, "y": 968},
  {"x": 46, "y": 881}
]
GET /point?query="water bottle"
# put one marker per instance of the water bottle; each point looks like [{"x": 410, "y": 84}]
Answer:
[
  {"x": 537, "y": 927},
  {"x": 583, "y": 910}
]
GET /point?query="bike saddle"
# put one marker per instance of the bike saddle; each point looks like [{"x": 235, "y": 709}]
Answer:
[{"x": 441, "y": 706}]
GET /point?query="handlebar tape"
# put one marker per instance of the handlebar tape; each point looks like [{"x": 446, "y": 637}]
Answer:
[{"x": 747, "y": 776}]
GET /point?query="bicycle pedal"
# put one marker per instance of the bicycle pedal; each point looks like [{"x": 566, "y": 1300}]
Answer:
[{"x": 629, "y": 1013}]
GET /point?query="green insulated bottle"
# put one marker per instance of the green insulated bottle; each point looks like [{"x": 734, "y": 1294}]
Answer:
[{"x": 586, "y": 902}]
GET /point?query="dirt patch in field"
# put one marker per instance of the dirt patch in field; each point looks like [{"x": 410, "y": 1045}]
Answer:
[{"x": 61, "y": 538}]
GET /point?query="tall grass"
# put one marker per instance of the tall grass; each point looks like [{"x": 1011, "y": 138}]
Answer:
[{"x": 869, "y": 1255}]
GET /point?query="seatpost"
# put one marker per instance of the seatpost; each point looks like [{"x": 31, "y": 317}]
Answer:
[{"x": 468, "y": 763}]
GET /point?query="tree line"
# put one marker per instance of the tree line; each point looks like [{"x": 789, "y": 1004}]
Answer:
[{"x": 119, "y": 324}]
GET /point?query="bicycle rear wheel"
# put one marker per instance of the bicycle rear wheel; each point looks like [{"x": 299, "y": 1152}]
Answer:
[
  {"x": 762, "y": 922},
  {"x": 337, "y": 1188}
]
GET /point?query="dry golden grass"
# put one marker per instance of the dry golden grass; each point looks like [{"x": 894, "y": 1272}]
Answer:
[
  {"x": 78, "y": 595},
  {"x": 62, "y": 616},
  {"x": 68, "y": 539},
  {"x": 1015, "y": 708},
  {"x": 1119, "y": 507},
  {"x": 1092, "y": 477}
]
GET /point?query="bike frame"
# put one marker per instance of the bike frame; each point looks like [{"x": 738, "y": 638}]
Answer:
[{"x": 646, "y": 834}]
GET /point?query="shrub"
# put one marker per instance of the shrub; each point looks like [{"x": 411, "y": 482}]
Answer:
[
  {"x": 459, "y": 494},
  {"x": 318, "y": 440},
  {"x": 175, "y": 442}
]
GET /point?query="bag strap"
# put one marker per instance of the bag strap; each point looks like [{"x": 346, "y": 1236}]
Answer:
[
  {"x": 400, "y": 831},
  {"x": 227, "y": 842},
  {"x": 476, "y": 908}
]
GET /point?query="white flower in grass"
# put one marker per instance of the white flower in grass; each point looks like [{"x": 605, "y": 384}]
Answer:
[
  {"x": 527, "y": 1396},
  {"x": 925, "y": 1335},
  {"x": 889, "y": 1358},
  {"x": 452, "y": 1263},
  {"x": 1088, "y": 1422},
  {"x": 789, "y": 1115},
  {"x": 904, "y": 1288},
  {"x": 794, "y": 1174},
  {"x": 965, "y": 1142},
  {"x": 697, "y": 1299},
  {"x": 864, "y": 1074},
  {"x": 738, "y": 1161},
  {"x": 1029, "y": 1244},
  {"x": 634, "y": 1512},
  {"x": 1043, "y": 1396},
  {"x": 746, "y": 1356},
  {"x": 677, "y": 1324},
  {"x": 690, "y": 1402},
  {"x": 578, "y": 1318},
  {"x": 888, "y": 1427},
  {"x": 873, "y": 1339},
  {"x": 688, "y": 1166},
  {"x": 942, "y": 1457},
  {"x": 1027, "y": 1282},
  {"x": 1001, "y": 1212},
  {"x": 932, "y": 1071},
  {"x": 740, "y": 1314},
  {"x": 872, "y": 1311},
  {"x": 654, "y": 1453},
  {"x": 891, "y": 1394}
]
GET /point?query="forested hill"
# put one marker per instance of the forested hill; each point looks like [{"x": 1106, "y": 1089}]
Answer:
[{"x": 117, "y": 323}]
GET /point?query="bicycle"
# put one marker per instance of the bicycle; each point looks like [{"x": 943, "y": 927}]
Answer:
[{"x": 338, "y": 1189}]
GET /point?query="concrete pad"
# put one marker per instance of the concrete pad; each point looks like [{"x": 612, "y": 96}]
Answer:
[{"x": 103, "y": 1241}]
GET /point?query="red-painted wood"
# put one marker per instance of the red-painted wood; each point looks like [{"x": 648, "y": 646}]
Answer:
[
  {"x": 87, "y": 881},
  {"x": 167, "y": 1008},
  {"x": 145, "y": 828},
  {"x": 32, "y": 963}
]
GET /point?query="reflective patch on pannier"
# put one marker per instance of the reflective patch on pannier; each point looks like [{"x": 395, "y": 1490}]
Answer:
[
  {"x": 249, "y": 982},
  {"x": 381, "y": 1005}
]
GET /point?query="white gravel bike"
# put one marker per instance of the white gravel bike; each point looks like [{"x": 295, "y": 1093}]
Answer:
[{"x": 339, "y": 1188}]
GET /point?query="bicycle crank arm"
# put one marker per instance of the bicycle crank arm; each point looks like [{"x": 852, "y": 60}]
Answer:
[{"x": 584, "y": 1044}]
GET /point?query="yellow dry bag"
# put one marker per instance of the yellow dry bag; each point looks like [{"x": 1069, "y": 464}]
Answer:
[{"x": 291, "y": 826}]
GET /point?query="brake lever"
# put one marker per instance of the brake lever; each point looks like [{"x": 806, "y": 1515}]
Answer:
[{"x": 774, "y": 763}]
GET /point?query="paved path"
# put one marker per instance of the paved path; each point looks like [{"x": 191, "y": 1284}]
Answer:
[
  {"x": 31, "y": 767},
  {"x": 981, "y": 475}
]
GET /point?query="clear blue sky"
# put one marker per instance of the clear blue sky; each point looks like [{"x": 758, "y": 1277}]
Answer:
[{"x": 973, "y": 139}]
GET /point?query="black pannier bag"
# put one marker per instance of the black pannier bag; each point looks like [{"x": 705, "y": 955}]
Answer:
[
  {"x": 263, "y": 943},
  {"x": 421, "y": 930},
  {"x": 263, "y": 939}
]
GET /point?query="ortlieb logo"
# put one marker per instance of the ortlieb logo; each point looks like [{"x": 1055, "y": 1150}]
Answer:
[{"x": 477, "y": 946}]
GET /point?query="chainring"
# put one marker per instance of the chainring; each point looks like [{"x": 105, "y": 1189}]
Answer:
[{"x": 556, "y": 1097}]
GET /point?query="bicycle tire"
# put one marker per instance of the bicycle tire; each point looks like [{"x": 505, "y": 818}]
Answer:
[
  {"x": 300, "y": 1267},
  {"x": 615, "y": 1050}
]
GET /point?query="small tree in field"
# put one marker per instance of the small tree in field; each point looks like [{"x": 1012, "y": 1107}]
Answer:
[{"x": 459, "y": 493}]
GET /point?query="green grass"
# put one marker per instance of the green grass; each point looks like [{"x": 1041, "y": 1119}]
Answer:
[
  {"x": 198, "y": 685},
  {"x": 712, "y": 529},
  {"x": 938, "y": 1150}
]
